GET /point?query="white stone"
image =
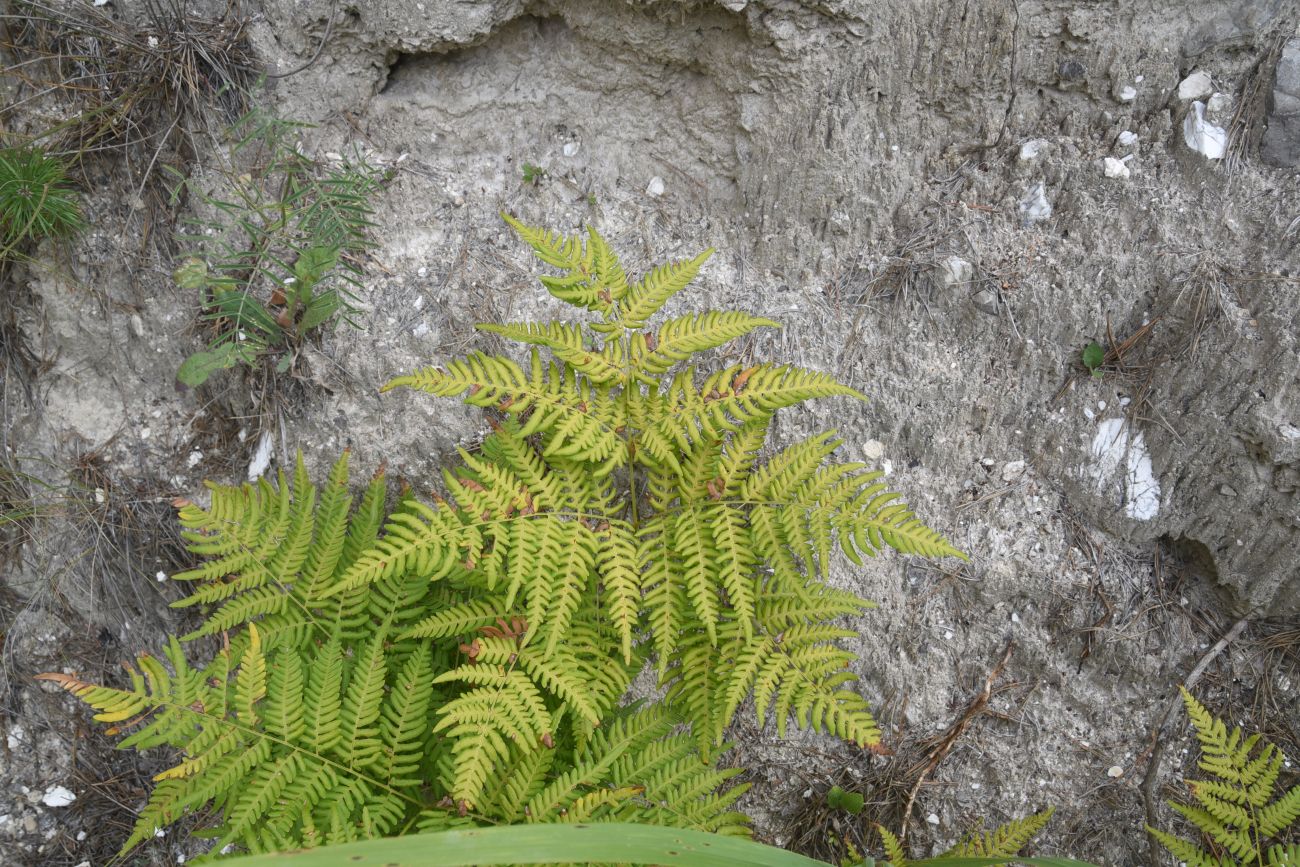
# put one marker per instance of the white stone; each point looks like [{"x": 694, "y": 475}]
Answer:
[
  {"x": 160, "y": 576},
  {"x": 15, "y": 736},
  {"x": 1034, "y": 207},
  {"x": 956, "y": 271},
  {"x": 873, "y": 450},
  {"x": 1012, "y": 470},
  {"x": 194, "y": 459},
  {"x": 1127, "y": 93},
  {"x": 422, "y": 272},
  {"x": 1032, "y": 148},
  {"x": 1202, "y": 136},
  {"x": 1195, "y": 86},
  {"x": 1116, "y": 168},
  {"x": 1115, "y": 772},
  {"x": 1128, "y": 137},
  {"x": 570, "y": 148},
  {"x": 1218, "y": 102},
  {"x": 261, "y": 461},
  {"x": 932, "y": 819},
  {"x": 57, "y": 796},
  {"x": 656, "y": 187},
  {"x": 1123, "y": 459}
]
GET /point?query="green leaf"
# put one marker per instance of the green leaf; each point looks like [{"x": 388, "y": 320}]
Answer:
[
  {"x": 1093, "y": 356},
  {"x": 192, "y": 274},
  {"x": 839, "y": 799},
  {"x": 196, "y": 369},
  {"x": 313, "y": 264},
  {"x": 320, "y": 309},
  {"x": 545, "y": 844}
]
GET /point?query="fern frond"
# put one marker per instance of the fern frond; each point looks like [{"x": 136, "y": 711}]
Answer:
[
  {"x": 568, "y": 344},
  {"x": 893, "y": 847},
  {"x": 576, "y": 415},
  {"x": 1238, "y": 809},
  {"x": 731, "y": 398},
  {"x": 1276, "y": 817},
  {"x": 1004, "y": 841},
  {"x": 651, "y": 292},
  {"x": 503, "y": 708},
  {"x": 683, "y": 336},
  {"x": 595, "y": 279}
]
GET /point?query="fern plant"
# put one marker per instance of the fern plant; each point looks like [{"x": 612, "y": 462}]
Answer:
[
  {"x": 621, "y": 494},
  {"x": 1239, "y": 810},
  {"x": 327, "y": 718},
  {"x": 464, "y": 660},
  {"x": 1005, "y": 841}
]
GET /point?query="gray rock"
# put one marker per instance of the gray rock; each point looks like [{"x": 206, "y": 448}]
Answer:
[{"x": 1281, "y": 143}]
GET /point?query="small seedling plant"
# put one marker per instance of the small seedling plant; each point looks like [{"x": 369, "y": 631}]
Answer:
[
  {"x": 387, "y": 668},
  {"x": 36, "y": 200},
  {"x": 1093, "y": 356},
  {"x": 281, "y": 253}
]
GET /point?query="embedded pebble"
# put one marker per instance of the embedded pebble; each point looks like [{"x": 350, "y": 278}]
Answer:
[
  {"x": 655, "y": 187},
  {"x": 1127, "y": 93},
  {"x": 422, "y": 271},
  {"x": 873, "y": 450},
  {"x": 193, "y": 460},
  {"x": 1032, "y": 148},
  {"x": 160, "y": 576},
  {"x": 932, "y": 819},
  {"x": 1013, "y": 470},
  {"x": 1116, "y": 168},
  {"x": 1218, "y": 102},
  {"x": 956, "y": 271},
  {"x": 1034, "y": 207},
  {"x": 1115, "y": 772},
  {"x": 1128, "y": 137},
  {"x": 1202, "y": 136},
  {"x": 1195, "y": 86},
  {"x": 57, "y": 796},
  {"x": 570, "y": 148}
]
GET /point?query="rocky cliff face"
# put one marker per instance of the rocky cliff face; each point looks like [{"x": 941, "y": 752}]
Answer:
[{"x": 944, "y": 203}]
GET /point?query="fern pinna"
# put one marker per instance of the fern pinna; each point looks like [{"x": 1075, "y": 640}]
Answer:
[
  {"x": 464, "y": 659},
  {"x": 1239, "y": 810}
]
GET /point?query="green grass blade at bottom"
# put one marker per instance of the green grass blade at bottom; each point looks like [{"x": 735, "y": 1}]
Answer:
[{"x": 551, "y": 844}]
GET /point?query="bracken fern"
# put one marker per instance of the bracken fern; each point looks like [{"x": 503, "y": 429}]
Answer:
[{"x": 464, "y": 659}]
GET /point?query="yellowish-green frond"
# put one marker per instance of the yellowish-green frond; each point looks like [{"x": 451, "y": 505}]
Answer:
[
  {"x": 1005, "y": 840},
  {"x": 1239, "y": 807},
  {"x": 651, "y": 292}
]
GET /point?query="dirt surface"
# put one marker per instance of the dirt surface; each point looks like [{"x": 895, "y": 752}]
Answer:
[{"x": 874, "y": 176}]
